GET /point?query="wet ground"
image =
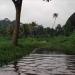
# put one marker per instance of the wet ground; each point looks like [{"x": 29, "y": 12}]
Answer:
[{"x": 42, "y": 64}]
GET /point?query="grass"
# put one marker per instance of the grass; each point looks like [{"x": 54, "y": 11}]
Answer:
[{"x": 10, "y": 53}]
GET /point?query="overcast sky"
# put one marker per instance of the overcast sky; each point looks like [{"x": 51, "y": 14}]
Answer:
[{"x": 39, "y": 11}]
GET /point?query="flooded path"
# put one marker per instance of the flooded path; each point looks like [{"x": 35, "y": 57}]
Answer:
[{"x": 42, "y": 64}]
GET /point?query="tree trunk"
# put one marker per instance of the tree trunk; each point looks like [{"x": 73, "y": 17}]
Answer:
[
  {"x": 16, "y": 27},
  {"x": 54, "y": 23}
]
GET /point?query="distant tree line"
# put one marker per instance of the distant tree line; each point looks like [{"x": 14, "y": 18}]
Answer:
[{"x": 35, "y": 30}]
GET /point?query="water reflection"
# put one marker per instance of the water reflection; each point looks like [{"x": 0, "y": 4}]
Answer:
[
  {"x": 71, "y": 63},
  {"x": 16, "y": 68},
  {"x": 42, "y": 64}
]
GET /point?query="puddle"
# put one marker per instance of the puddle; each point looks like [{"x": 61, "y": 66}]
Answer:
[{"x": 43, "y": 63}]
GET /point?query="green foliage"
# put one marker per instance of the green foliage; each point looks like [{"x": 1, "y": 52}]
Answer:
[
  {"x": 8, "y": 52},
  {"x": 69, "y": 27}
]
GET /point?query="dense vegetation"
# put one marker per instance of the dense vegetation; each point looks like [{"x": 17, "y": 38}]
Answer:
[
  {"x": 11, "y": 53},
  {"x": 33, "y": 36}
]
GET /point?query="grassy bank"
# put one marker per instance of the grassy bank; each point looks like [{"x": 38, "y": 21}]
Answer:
[{"x": 10, "y": 53}]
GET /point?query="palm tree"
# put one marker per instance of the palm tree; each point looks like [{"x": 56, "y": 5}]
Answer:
[{"x": 55, "y": 15}]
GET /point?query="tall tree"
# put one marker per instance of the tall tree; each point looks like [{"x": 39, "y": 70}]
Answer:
[
  {"x": 55, "y": 15},
  {"x": 18, "y": 5}
]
